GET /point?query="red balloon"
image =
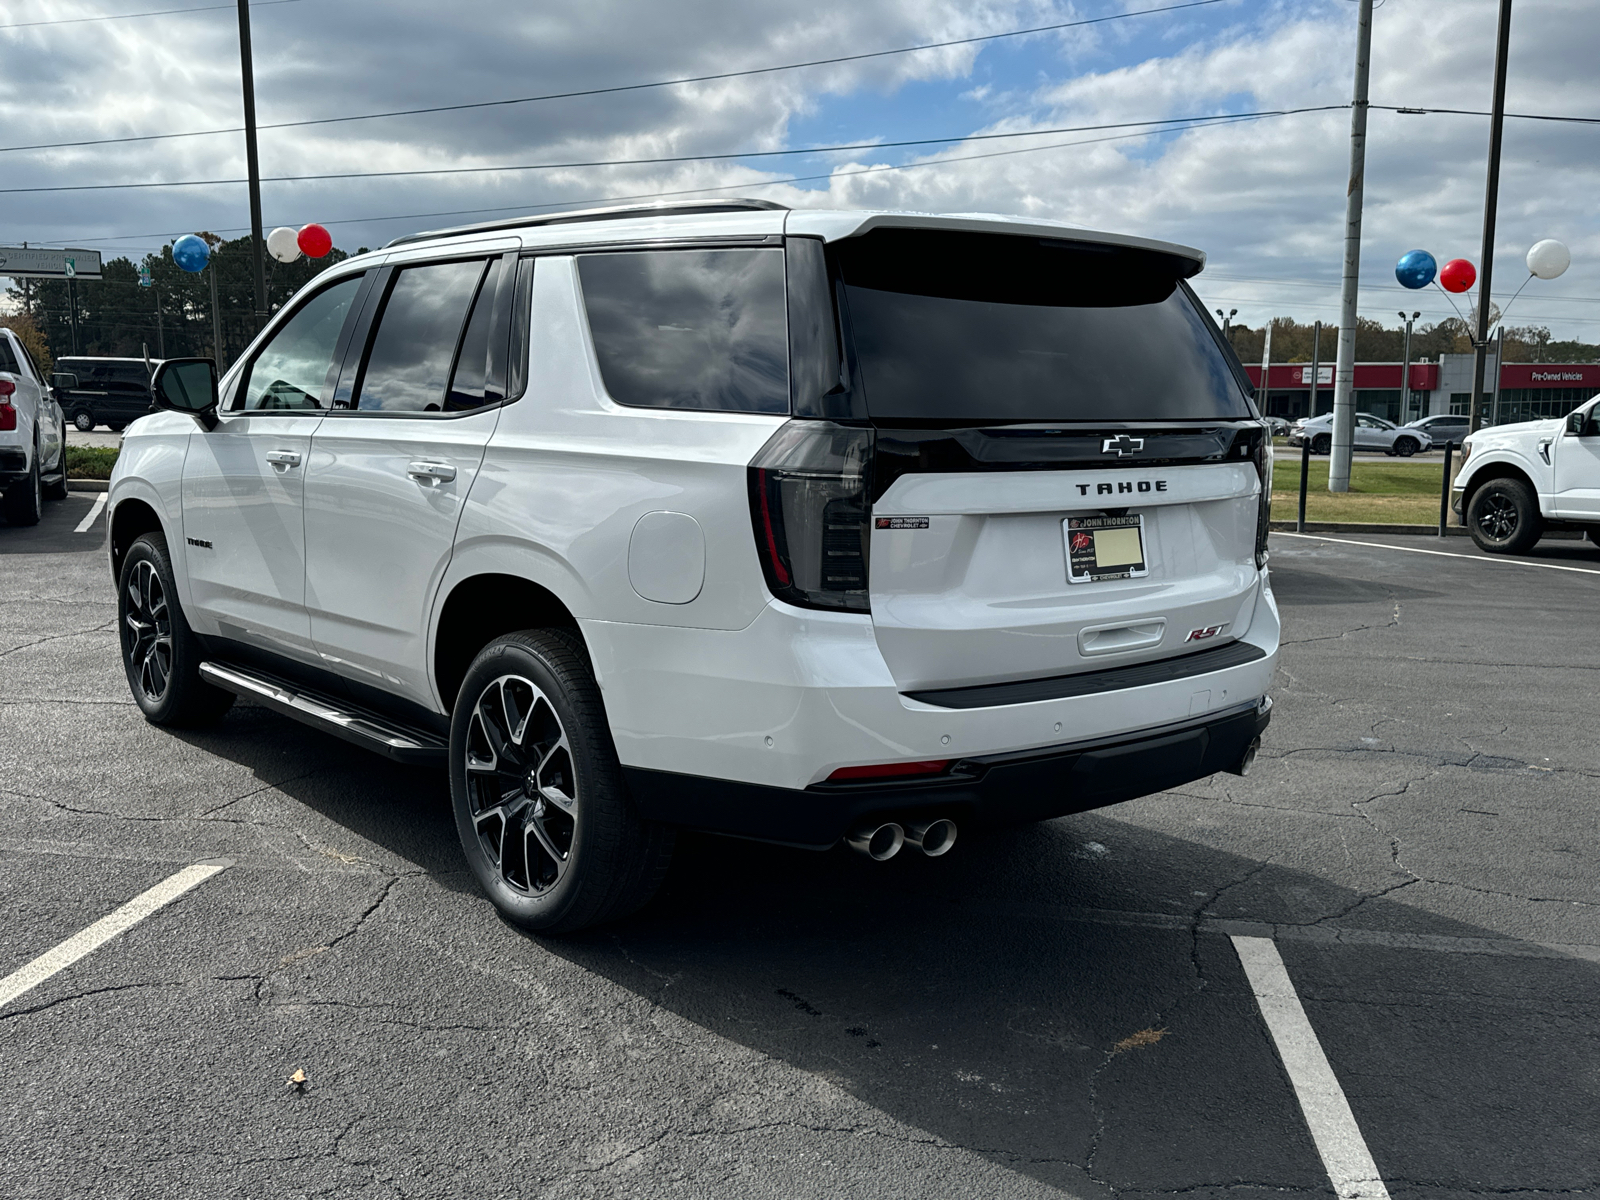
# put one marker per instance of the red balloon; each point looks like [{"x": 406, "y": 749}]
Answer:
[
  {"x": 1457, "y": 275},
  {"x": 315, "y": 241}
]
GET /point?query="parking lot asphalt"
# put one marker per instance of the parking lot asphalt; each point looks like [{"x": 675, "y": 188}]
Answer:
[{"x": 1053, "y": 1010}]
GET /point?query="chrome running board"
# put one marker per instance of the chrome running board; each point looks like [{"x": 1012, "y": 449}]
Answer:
[{"x": 336, "y": 716}]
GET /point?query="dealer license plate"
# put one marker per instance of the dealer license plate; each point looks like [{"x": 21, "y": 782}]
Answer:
[{"x": 1104, "y": 548}]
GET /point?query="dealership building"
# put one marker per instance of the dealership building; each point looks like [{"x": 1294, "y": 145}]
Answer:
[{"x": 1512, "y": 392}]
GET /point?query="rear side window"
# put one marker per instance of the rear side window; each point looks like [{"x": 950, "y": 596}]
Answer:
[
  {"x": 693, "y": 329},
  {"x": 8, "y": 360},
  {"x": 976, "y": 328},
  {"x": 420, "y": 330}
]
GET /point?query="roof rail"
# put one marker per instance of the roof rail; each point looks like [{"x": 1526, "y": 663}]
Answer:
[{"x": 573, "y": 216}]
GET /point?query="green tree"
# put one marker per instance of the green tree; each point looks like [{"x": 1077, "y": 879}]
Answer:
[{"x": 117, "y": 317}]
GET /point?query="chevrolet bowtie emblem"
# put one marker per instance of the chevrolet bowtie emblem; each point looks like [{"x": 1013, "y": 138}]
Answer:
[{"x": 1122, "y": 444}]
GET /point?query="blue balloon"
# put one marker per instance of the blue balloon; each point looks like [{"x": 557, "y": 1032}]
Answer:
[
  {"x": 191, "y": 253},
  {"x": 1415, "y": 269}
]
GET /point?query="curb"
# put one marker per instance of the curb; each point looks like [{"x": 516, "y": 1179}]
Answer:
[
  {"x": 88, "y": 485},
  {"x": 1412, "y": 530}
]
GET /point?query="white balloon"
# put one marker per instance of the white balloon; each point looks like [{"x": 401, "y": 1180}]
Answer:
[
  {"x": 283, "y": 244},
  {"x": 1548, "y": 259}
]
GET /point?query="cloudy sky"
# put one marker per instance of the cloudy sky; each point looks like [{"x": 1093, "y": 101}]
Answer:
[{"x": 1264, "y": 198}]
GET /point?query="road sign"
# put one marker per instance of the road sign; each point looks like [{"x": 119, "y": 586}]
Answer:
[
  {"x": 144, "y": 277},
  {"x": 26, "y": 262}
]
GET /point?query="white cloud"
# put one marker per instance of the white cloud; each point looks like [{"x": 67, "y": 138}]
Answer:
[{"x": 1265, "y": 200}]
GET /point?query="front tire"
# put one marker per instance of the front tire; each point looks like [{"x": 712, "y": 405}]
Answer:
[
  {"x": 544, "y": 817},
  {"x": 1405, "y": 447},
  {"x": 83, "y": 420},
  {"x": 1321, "y": 444},
  {"x": 1503, "y": 517},
  {"x": 159, "y": 652}
]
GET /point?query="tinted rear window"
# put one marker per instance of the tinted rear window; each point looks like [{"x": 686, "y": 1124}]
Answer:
[
  {"x": 8, "y": 360},
  {"x": 977, "y": 328},
  {"x": 702, "y": 329}
]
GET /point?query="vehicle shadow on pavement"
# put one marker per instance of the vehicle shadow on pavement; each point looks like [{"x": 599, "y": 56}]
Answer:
[{"x": 1049, "y": 997}]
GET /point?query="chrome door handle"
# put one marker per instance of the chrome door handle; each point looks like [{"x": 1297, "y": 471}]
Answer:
[
  {"x": 284, "y": 458},
  {"x": 430, "y": 471}
]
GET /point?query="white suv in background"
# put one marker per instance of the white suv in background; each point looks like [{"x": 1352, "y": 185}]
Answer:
[
  {"x": 799, "y": 526},
  {"x": 1519, "y": 480},
  {"x": 33, "y": 436}
]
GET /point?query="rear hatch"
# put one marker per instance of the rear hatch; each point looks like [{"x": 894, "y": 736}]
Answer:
[{"x": 1065, "y": 470}]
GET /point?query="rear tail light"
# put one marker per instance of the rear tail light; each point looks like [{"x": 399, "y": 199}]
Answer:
[
  {"x": 903, "y": 770},
  {"x": 8, "y": 415},
  {"x": 809, "y": 507},
  {"x": 1263, "y": 460}
]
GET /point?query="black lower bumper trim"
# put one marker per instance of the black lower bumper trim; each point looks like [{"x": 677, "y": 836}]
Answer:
[
  {"x": 1031, "y": 785},
  {"x": 1093, "y": 683}
]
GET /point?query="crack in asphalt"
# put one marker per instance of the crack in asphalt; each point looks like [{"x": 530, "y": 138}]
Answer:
[{"x": 56, "y": 637}]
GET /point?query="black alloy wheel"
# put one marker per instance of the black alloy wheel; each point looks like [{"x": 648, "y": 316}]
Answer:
[
  {"x": 544, "y": 817},
  {"x": 160, "y": 654},
  {"x": 83, "y": 420},
  {"x": 24, "y": 500},
  {"x": 1405, "y": 447},
  {"x": 1322, "y": 443},
  {"x": 1503, "y": 517}
]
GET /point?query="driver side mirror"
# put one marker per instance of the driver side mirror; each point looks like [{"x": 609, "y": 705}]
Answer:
[
  {"x": 1580, "y": 424},
  {"x": 63, "y": 381},
  {"x": 188, "y": 385}
]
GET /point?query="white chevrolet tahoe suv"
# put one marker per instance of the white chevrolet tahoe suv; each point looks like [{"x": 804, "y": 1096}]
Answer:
[
  {"x": 33, "y": 436},
  {"x": 800, "y": 526},
  {"x": 1519, "y": 480}
]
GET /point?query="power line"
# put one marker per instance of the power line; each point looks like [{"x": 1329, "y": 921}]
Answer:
[
  {"x": 1479, "y": 112},
  {"x": 1165, "y": 123},
  {"x": 605, "y": 91},
  {"x": 163, "y": 12},
  {"x": 661, "y": 195}
]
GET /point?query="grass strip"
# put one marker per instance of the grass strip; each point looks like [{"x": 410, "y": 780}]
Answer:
[{"x": 91, "y": 462}]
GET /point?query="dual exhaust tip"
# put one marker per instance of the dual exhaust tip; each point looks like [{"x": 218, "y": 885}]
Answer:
[{"x": 882, "y": 842}]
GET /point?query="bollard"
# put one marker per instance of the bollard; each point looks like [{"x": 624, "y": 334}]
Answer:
[
  {"x": 1305, "y": 469},
  {"x": 1444, "y": 492}
]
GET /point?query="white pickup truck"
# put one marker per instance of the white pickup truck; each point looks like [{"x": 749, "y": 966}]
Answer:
[{"x": 1517, "y": 481}]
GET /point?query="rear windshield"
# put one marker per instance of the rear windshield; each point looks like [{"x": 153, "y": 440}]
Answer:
[{"x": 957, "y": 327}]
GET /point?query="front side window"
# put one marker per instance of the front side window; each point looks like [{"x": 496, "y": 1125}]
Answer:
[
  {"x": 419, "y": 332},
  {"x": 690, "y": 329},
  {"x": 291, "y": 371}
]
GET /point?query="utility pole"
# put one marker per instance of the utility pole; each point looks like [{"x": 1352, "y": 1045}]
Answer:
[
  {"x": 247, "y": 74},
  {"x": 1316, "y": 366},
  {"x": 1344, "y": 373},
  {"x": 161, "y": 335},
  {"x": 216, "y": 317},
  {"x": 1405, "y": 370},
  {"x": 72, "y": 310},
  {"x": 1497, "y": 120},
  {"x": 1266, "y": 366}
]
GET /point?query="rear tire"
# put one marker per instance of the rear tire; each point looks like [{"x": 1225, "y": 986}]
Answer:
[
  {"x": 1405, "y": 447},
  {"x": 1321, "y": 444},
  {"x": 544, "y": 817},
  {"x": 1503, "y": 517},
  {"x": 83, "y": 420},
  {"x": 159, "y": 652},
  {"x": 24, "y": 500}
]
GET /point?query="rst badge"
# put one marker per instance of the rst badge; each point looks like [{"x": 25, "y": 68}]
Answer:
[{"x": 1208, "y": 631}]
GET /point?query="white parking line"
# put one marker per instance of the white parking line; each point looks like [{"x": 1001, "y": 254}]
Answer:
[
  {"x": 1498, "y": 562},
  {"x": 94, "y": 513},
  {"x": 1333, "y": 1126},
  {"x": 107, "y": 927}
]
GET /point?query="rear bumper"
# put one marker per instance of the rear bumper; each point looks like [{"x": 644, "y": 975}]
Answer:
[
  {"x": 797, "y": 694},
  {"x": 13, "y": 464},
  {"x": 1029, "y": 785}
]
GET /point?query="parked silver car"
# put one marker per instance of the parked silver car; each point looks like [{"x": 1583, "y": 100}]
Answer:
[{"x": 1371, "y": 433}]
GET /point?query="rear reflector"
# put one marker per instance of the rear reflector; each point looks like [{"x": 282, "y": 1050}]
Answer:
[{"x": 889, "y": 770}]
